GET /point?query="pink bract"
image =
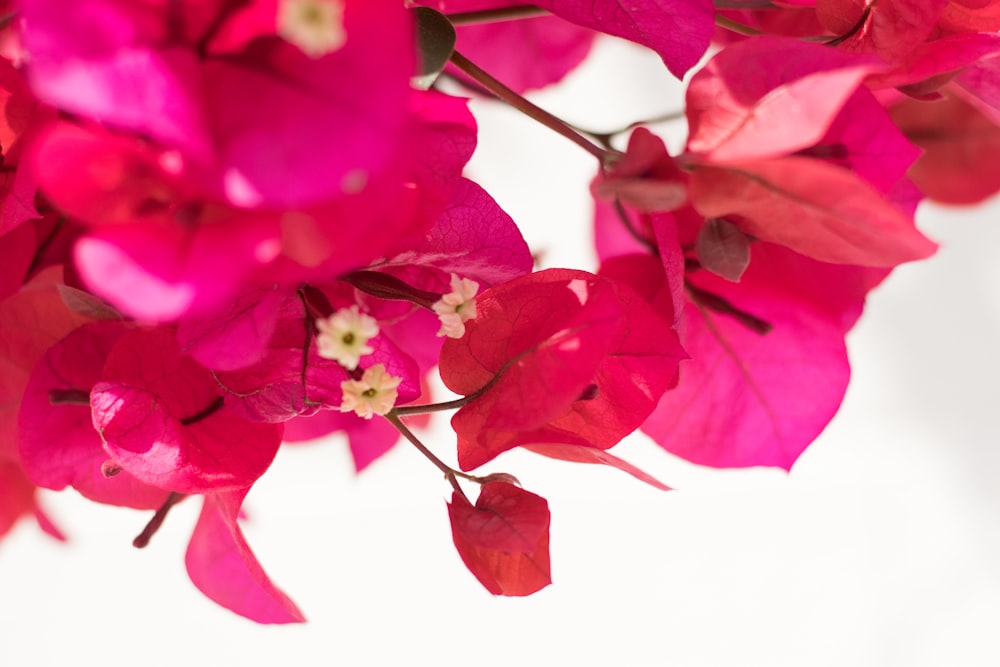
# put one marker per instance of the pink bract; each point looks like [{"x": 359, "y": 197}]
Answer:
[
  {"x": 748, "y": 397},
  {"x": 58, "y": 444},
  {"x": 222, "y": 566},
  {"x": 162, "y": 419}
]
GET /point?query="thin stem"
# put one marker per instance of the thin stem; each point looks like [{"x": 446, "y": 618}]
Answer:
[
  {"x": 604, "y": 138},
  {"x": 204, "y": 413},
  {"x": 142, "y": 540},
  {"x": 6, "y": 19},
  {"x": 407, "y": 410},
  {"x": 855, "y": 29},
  {"x": 630, "y": 228},
  {"x": 502, "y": 92},
  {"x": 722, "y": 306},
  {"x": 735, "y": 26},
  {"x": 69, "y": 397},
  {"x": 450, "y": 473},
  {"x": 496, "y": 15}
]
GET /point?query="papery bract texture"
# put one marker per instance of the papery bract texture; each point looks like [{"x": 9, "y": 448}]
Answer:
[
  {"x": 222, "y": 566},
  {"x": 817, "y": 209},
  {"x": 746, "y": 397},
  {"x": 504, "y": 538},
  {"x": 769, "y": 96}
]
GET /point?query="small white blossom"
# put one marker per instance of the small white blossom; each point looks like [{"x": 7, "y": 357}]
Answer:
[
  {"x": 457, "y": 307},
  {"x": 315, "y": 26},
  {"x": 343, "y": 337},
  {"x": 374, "y": 394}
]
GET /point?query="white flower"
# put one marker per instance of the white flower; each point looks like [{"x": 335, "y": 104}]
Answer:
[
  {"x": 457, "y": 307},
  {"x": 374, "y": 394},
  {"x": 315, "y": 26},
  {"x": 343, "y": 337}
]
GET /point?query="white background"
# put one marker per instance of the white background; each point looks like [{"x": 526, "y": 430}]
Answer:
[{"x": 880, "y": 548}]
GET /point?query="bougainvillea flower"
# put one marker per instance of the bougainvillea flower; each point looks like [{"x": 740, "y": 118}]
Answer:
[
  {"x": 290, "y": 378},
  {"x": 57, "y": 441},
  {"x": 457, "y": 307},
  {"x": 344, "y": 335},
  {"x": 222, "y": 566},
  {"x": 374, "y": 394},
  {"x": 160, "y": 246},
  {"x": 267, "y": 124},
  {"x": 557, "y": 356},
  {"x": 163, "y": 419},
  {"x": 504, "y": 538}
]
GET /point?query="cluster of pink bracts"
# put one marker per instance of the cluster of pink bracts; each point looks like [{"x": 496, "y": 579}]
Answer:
[{"x": 228, "y": 224}]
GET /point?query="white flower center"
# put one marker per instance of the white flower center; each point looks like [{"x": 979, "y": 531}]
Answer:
[
  {"x": 374, "y": 394},
  {"x": 457, "y": 307},
  {"x": 315, "y": 26},
  {"x": 343, "y": 337}
]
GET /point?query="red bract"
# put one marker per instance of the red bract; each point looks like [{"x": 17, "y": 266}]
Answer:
[
  {"x": 558, "y": 356},
  {"x": 163, "y": 420},
  {"x": 17, "y": 249},
  {"x": 504, "y": 538},
  {"x": 221, "y": 565}
]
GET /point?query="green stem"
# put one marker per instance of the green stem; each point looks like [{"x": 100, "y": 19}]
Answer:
[
  {"x": 407, "y": 410},
  {"x": 502, "y": 92},
  {"x": 735, "y": 26},
  {"x": 496, "y": 15}
]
